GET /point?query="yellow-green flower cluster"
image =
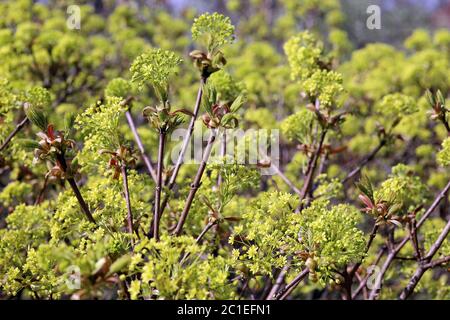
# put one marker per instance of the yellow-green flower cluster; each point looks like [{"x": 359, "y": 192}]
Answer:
[
  {"x": 213, "y": 30},
  {"x": 330, "y": 235},
  {"x": 403, "y": 188},
  {"x": 396, "y": 105},
  {"x": 155, "y": 67},
  {"x": 99, "y": 125},
  {"x": 228, "y": 89},
  {"x": 118, "y": 87},
  {"x": 166, "y": 274},
  {"x": 304, "y": 54},
  {"x": 311, "y": 68},
  {"x": 271, "y": 232},
  {"x": 299, "y": 126},
  {"x": 443, "y": 156}
]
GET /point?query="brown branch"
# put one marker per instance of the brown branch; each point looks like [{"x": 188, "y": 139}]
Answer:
[
  {"x": 397, "y": 249},
  {"x": 41, "y": 193},
  {"x": 80, "y": 199},
  {"x": 310, "y": 170},
  {"x": 128, "y": 202},
  {"x": 409, "y": 289},
  {"x": 208, "y": 226},
  {"x": 363, "y": 283},
  {"x": 185, "y": 145},
  {"x": 369, "y": 244},
  {"x": 138, "y": 140},
  {"x": 156, "y": 218},
  {"x": 278, "y": 282},
  {"x": 62, "y": 162},
  {"x": 16, "y": 130},
  {"x": 286, "y": 179},
  {"x": 365, "y": 161},
  {"x": 414, "y": 239},
  {"x": 196, "y": 184},
  {"x": 437, "y": 262},
  {"x": 283, "y": 294}
]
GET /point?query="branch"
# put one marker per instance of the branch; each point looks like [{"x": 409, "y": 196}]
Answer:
[
  {"x": 41, "y": 193},
  {"x": 76, "y": 191},
  {"x": 80, "y": 199},
  {"x": 409, "y": 289},
  {"x": 138, "y": 140},
  {"x": 365, "y": 161},
  {"x": 16, "y": 130},
  {"x": 156, "y": 218},
  {"x": 437, "y": 262},
  {"x": 285, "y": 179},
  {"x": 369, "y": 244},
  {"x": 363, "y": 283},
  {"x": 397, "y": 249},
  {"x": 414, "y": 239},
  {"x": 279, "y": 281},
  {"x": 208, "y": 226},
  {"x": 128, "y": 201},
  {"x": 185, "y": 145},
  {"x": 310, "y": 171},
  {"x": 283, "y": 294},
  {"x": 196, "y": 184}
]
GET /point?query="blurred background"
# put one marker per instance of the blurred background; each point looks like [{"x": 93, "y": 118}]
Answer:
[{"x": 399, "y": 17}]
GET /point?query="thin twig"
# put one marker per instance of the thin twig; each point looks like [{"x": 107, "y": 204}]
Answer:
[
  {"x": 310, "y": 171},
  {"x": 278, "y": 282},
  {"x": 365, "y": 161},
  {"x": 437, "y": 262},
  {"x": 414, "y": 239},
  {"x": 196, "y": 184},
  {"x": 369, "y": 244},
  {"x": 128, "y": 202},
  {"x": 80, "y": 199},
  {"x": 409, "y": 289},
  {"x": 397, "y": 249},
  {"x": 185, "y": 145},
  {"x": 363, "y": 283},
  {"x": 16, "y": 130},
  {"x": 208, "y": 226},
  {"x": 62, "y": 162},
  {"x": 138, "y": 140},
  {"x": 41, "y": 193},
  {"x": 156, "y": 218},
  {"x": 286, "y": 179},
  {"x": 283, "y": 294}
]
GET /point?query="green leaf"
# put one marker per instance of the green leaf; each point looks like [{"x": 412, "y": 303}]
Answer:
[
  {"x": 238, "y": 103},
  {"x": 36, "y": 116},
  {"x": 69, "y": 121},
  {"x": 440, "y": 98},
  {"x": 28, "y": 144},
  {"x": 430, "y": 98},
  {"x": 120, "y": 264}
]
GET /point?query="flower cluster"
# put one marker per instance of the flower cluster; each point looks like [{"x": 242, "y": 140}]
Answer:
[
  {"x": 271, "y": 234},
  {"x": 312, "y": 68},
  {"x": 213, "y": 30},
  {"x": 443, "y": 156},
  {"x": 118, "y": 87},
  {"x": 178, "y": 268},
  {"x": 155, "y": 68},
  {"x": 299, "y": 126}
]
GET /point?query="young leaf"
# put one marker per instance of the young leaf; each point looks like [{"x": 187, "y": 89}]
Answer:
[{"x": 36, "y": 116}]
